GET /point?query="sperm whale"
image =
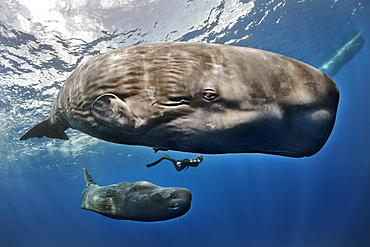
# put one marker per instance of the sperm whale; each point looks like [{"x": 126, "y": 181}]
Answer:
[{"x": 196, "y": 97}]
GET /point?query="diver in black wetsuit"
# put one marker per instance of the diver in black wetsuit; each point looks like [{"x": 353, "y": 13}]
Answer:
[{"x": 180, "y": 164}]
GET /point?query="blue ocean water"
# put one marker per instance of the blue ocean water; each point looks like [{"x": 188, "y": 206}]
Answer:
[{"x": 238, "y": 199}]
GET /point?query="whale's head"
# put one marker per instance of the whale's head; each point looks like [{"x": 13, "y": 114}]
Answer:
[
  {"x": 221, "y": 102},
  {"x": 148, "y": 202}
]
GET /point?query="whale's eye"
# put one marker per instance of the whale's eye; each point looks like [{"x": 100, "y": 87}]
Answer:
[{"x": 209, "y": 94}]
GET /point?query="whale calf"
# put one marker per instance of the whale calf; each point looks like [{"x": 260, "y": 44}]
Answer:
[
  {"x": 139, "y": 201},
  {"x": 197, "y": 97}
]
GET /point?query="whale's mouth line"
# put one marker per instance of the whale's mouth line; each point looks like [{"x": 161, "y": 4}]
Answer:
[
  {"x": 175, "y": 205},
  {"x": 175, "y": 103}
]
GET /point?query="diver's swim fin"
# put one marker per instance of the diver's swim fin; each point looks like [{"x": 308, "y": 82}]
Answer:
[
  {"x": 45, "y": 128},
  {"x": 159, "y": 149}
]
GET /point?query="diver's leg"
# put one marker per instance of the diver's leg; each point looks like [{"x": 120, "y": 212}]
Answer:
[
  {"x": 171, "y": 159},
  {"x": 156, "y": 162},
  {"x": 176, "y": 163}
]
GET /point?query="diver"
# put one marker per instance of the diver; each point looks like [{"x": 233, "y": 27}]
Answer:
[{"x": 180, "y": 164}]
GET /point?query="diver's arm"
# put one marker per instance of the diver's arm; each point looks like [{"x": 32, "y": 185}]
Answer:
[
  {"x": 195, "y": 162},
  {"x": 179, "y": 166}
]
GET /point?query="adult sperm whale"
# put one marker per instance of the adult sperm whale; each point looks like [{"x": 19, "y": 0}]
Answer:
[
  {"x": 196, "y": 97},
  {"x": 139, "y": 201}
]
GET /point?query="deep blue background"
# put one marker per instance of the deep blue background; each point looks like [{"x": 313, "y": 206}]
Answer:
[{"x": 238, "y": 200}]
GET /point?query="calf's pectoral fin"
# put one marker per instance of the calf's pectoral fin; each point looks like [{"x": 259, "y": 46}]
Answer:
[
  {"x": 45, "y": 128},
  {"x": 111, "y": 111}
]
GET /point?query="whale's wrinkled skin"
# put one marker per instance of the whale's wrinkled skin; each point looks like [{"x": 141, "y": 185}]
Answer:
[
  {"x": 139, "y": 201},
  {"x": 195, "y": 97}
]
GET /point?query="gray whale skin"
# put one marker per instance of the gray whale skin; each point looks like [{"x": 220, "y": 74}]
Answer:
[
  {"x": 196, "y": 97},
  {"x": 139, "y": 201}
]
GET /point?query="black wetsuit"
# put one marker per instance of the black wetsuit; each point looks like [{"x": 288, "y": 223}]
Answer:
[{"x": 180, "y": 164}]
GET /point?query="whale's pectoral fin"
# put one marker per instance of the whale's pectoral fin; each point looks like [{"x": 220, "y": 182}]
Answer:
[
  {"x": 45, "y": 128},
  {"x": 111, "y": 111}
]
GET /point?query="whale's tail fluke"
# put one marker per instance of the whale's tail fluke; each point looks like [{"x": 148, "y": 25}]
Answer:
[
  {"x": 88, "y": 178},
  {"x": 342, "y": 54},
  {"x": 46, "y": 128}
]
